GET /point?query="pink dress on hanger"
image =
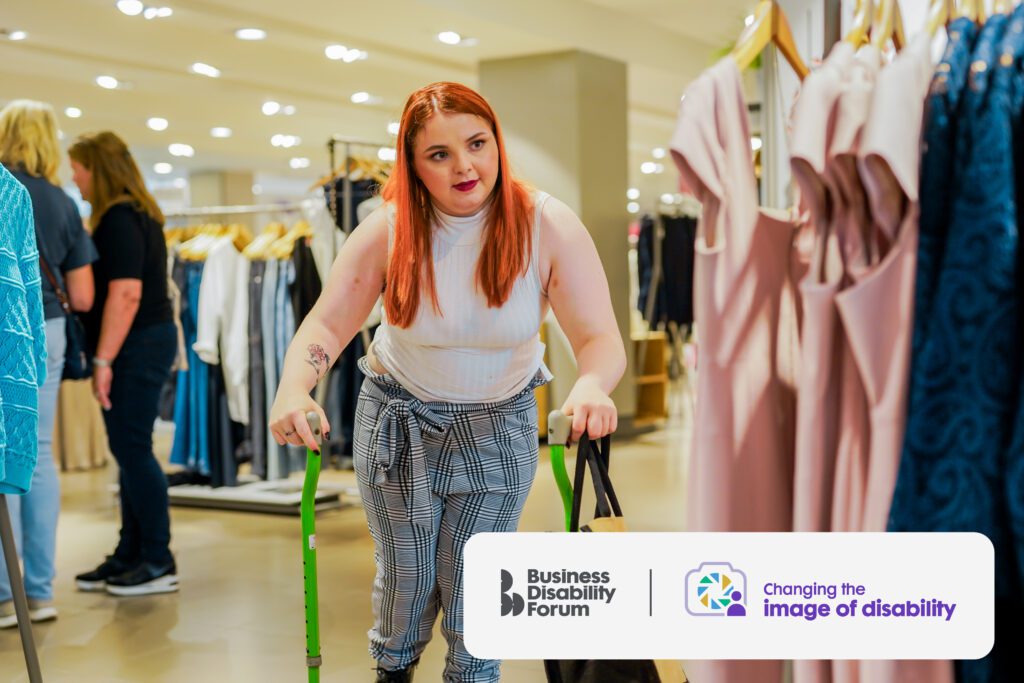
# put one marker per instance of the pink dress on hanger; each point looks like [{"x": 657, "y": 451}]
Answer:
[
  {"x": 877, "y": 310},
  {"x": 742, "y": 462},
  {"x": 817, "y": 421}
]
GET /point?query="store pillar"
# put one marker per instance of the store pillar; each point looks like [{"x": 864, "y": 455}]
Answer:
[
  {"x": 564, "y": 119},
  {"x": 221, "y": 188}
]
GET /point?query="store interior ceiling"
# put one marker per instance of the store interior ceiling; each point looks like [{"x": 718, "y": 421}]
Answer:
[{"x": 285, "y": 85}]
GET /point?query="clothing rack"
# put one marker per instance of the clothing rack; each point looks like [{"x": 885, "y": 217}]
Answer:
[
  {"x": 235, "y": 210},
  {"x": 347, "y": 143},
  {"x": 18, "y": 591}
]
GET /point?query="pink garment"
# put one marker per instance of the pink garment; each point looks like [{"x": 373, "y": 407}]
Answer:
[
  {"x": 742, "y": 463},
  {"x": 879, "y": 306}
]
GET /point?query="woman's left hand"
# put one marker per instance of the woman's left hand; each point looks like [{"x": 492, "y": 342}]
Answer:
[
  {"x": 591, "y": 409},
  {"x": 101, "y": 380}
]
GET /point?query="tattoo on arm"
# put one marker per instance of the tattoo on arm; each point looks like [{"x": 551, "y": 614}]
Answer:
[{"x": 318, "y": 359}]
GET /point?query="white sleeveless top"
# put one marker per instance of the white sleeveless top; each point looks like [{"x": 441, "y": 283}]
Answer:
[{"x": 471, "y": 353}]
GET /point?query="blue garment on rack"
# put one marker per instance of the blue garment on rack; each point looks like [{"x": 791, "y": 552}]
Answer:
[
  {"x": 292, "y": 457},
  {"x": 965, "y": 369},
  {"x": 191, "y": 408}
]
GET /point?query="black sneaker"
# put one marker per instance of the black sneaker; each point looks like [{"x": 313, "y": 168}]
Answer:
[
  {"x": 96, "y": 580},
  {"x": 146, "y": 579},
  {"x": 397, "y": 675}
]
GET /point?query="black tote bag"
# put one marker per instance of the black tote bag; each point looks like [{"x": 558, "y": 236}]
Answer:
[{"x": 77, "y": 362}]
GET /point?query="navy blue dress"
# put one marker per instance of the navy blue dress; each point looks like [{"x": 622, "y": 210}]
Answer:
[{"x": 965, "y": 364}]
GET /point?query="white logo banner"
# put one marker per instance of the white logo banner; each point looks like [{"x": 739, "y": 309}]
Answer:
[{"x": 729, "y": 596}]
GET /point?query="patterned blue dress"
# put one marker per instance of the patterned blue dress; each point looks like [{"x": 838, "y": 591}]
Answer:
[{"x": 965, "y": 366}]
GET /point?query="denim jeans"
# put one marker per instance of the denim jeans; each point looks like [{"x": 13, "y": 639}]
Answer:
[
  {"x": 34, "y": 515},
  {"x": 140, "y": 371}
]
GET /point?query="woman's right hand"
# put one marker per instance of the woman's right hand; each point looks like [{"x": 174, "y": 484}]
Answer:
[{"x": 288, "y": 423}]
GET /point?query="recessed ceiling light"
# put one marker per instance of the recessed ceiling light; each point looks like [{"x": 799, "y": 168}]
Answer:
[
  {"x": 387, "y": 154},
  {"x": 220, "y": 132},
  {"x": 449, "y": 37},
  {"x": 157, "y": 123},
  {"x": 17, "y": 35},
  {"x": 354, "y": 55},
  {"x": 286, "y": 141},
  {"x": 73, "y": 112},
  {"x": 633, "y": 207},
  {"x": 250, "y": 34},
  {"x": 632, "y": 193},
  {"x": 270, "y": 107},
  {"x": 394, "y": 127},
  {"x": 288, "y": 109},
  {"x": 205, "y": 70},
  {"x": 132, "y": 8},
  {"x": 658, "y": 152},
  {"x": 163, "y": 168},
  {"x": 648, "y": 167},
  {"x": 181, "y": 150},
  {"x": 298, "y": 162},
  {"x": 335, "y": 51},
  {"x": 108, "y": 82},
  {"x": 667, "y": 198},
  {"x": 360, "y": 97}
]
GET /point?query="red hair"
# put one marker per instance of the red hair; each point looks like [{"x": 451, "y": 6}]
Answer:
[{"x": 508, "y": 236}]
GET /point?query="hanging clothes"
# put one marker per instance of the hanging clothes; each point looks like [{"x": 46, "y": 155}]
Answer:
[
  {"x": 965, "y": 379},
  {"x": 190, "y": 448},
  {"x": 22, "y": 337},
  {"x": 742, "y": 464},
  {"x": 258, "y": 433}
]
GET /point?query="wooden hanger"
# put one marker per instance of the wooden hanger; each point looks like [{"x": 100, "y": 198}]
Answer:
[
  {"x": 888, "y": 25},
  {"x": 259, "y": 248},
  {"x": 939, "y": 14},
  {"x": 972, "y": 9},
  {"x": 862, "y": 17},
  {"x": 770, "y": 26},
  {"x": 282, "y": 248}
]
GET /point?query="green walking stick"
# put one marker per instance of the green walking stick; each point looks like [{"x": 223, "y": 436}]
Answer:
[
  {"x": 308, "y": 509},
  {"x": 559, "y": 429}
]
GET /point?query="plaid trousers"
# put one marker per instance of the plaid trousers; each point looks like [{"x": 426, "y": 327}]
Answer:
[{"x": 431, "y": 475}]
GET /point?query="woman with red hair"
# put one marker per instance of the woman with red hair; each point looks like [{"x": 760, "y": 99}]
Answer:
[{"x": 468, "y": 260}]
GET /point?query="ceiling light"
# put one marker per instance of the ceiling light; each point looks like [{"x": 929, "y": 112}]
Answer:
[
  {"x": 270, "y": 107},
  {"x": 180, "y": 183},
  {"x": 157, "y": 123},
  {"x": 157, "y": 12},
  {"x": 17, "y": 35},
  {"x": 360, "y": 97},
  {"x": 749, "y": 20},
  {"x": 163, "y": 168},
  {"x": 658, "y": 152},
  {"x": 354, "y": 55},
  {"x": 288, "y": 109},
  {"x": 286, "y": 141},
  {"x": 756, "y": 143},
  {"x": 632, "y": 193},
  {"x": 335, "y": 51},
  {"x": 387, "y": 154},
  {"x": 633, "y": 207},
  {"x": 181, "y": 150},
  {"x": 298, "y": 162},
  {"x": 220, "y": 132},
  {"x": 108, "y": 82},
  {"x": 667, "y": 198},
  {"x": 449, "y": 37},
  {"x": 132, "y": 8},
  {"x": 394, "y": 127},
  {"x": 205, "y": 70},
  {"x": 648, "y": 167},
  {"x": 73, "y": 112},
  {"x": 250, "y": 34}
]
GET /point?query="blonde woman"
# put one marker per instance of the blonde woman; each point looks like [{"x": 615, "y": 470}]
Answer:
[
  {"x": 29, "y": 150},
  {"x": 131, "y": 329}
]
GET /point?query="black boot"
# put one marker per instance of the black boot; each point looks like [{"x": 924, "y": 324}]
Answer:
[{"x": 396, "y": 675}]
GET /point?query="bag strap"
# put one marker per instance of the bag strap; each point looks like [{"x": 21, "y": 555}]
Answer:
[
  {"x": 588, "y": 452},
  {"x": 62, "y": 297}
]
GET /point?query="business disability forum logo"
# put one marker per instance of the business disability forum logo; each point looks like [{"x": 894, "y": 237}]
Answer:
[
  {"x": 716, "y": 589},
  {"x": 559, "y": 593}
]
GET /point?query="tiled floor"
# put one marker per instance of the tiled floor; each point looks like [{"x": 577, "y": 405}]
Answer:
[{"x": 239, "y": 615}]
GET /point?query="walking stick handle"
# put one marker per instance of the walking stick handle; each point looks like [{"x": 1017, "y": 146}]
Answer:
[
  {"x": 559, "y": 428},
  {"x": 313, "y": 419}
]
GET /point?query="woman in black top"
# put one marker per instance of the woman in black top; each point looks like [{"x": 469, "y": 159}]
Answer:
[
  {"x": 30, "y": 151},
  {"x": 132, "y": 332}
]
